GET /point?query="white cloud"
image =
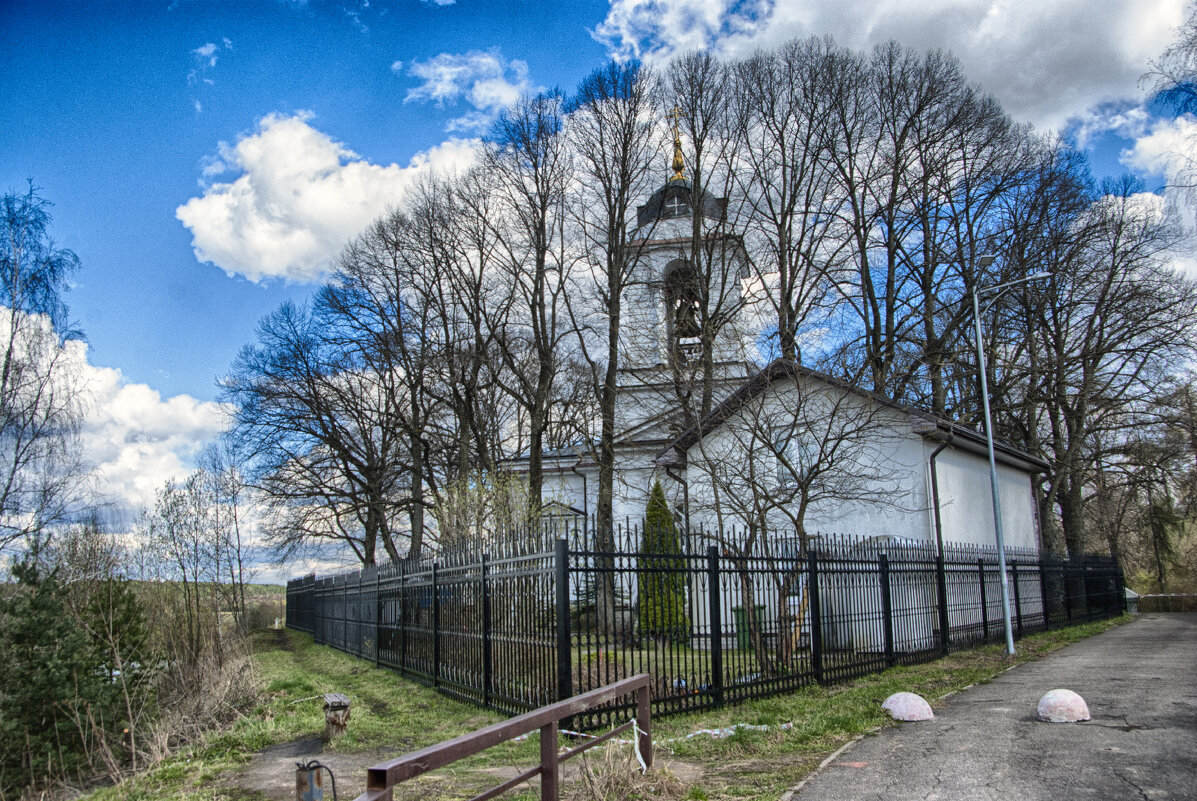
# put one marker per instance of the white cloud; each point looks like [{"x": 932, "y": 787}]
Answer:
[
  {"x": 1127, "y": 120},
  {"x": 205, "y": 57},
  {"x": 1047, "y": 61},
  {"x": 660, "y": 28},
  {"x": 134, "y": 437},
  {"x": 299, "y": 197},
  {"x": 484, "y": 79},
  {"x": 1168, "y": 148},
  {"x": 438, "y": 2},
  {"x": 206, "y": 53}
]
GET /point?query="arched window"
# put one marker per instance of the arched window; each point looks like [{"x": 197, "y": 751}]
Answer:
[{"x": 682, "y": 301}]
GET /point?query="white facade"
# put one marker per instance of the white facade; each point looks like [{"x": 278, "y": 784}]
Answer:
[
  {"x": 867, "y": 467},
  {"x": 862, "y": 465}
]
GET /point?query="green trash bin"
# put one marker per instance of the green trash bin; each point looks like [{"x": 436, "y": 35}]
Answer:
[{"x": 743, "y": 637}]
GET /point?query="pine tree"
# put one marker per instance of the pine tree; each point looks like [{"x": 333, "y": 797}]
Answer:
[
  {"x": 62, "y": 675},
  {"x": 661, "y": 586}
]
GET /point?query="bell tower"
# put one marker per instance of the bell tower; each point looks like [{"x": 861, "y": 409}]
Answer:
[{"x": 686, "y": 290}]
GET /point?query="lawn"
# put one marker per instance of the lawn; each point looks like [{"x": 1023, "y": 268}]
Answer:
[{"x": 391, "y": 715}]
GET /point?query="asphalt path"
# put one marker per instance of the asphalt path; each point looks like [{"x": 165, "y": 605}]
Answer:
[{"x": 1140, "y": 683}]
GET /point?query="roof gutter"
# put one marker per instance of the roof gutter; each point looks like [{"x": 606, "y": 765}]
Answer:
[{"x": 975, "y": 443}]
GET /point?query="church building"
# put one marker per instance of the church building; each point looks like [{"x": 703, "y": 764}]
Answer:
[{"x": 781, "y": 445}]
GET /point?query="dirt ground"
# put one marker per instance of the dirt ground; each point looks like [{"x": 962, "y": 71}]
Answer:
[{"x": 270, "y": 775}]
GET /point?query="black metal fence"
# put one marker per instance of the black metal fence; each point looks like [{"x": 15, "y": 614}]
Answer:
[{"x": 728, "y": 617}]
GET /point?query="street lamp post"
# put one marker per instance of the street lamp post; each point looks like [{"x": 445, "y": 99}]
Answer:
[{"x": 985, "y": 261}]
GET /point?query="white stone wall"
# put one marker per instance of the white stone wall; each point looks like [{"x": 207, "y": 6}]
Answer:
[
  {"x": 733, "y": 462},
  {"x": 966, "y": 505}
]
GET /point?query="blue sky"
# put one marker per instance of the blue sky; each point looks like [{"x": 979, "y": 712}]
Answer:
[{"x": 207, "y": 158}]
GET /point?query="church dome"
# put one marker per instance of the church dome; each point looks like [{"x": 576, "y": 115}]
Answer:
[{"x": 676, "y": 199}]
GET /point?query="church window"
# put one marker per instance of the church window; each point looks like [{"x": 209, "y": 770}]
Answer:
[
  {"x": 796, "y": 454},
  {"x": 675, "y": 207},
  {"x": 681, "y": 299}
]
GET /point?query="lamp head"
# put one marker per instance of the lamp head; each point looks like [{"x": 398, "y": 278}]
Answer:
[{"x": 985, "y": 261}]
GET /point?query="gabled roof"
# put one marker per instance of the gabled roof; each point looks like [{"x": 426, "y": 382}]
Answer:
[{"x": 936, "y": 427}]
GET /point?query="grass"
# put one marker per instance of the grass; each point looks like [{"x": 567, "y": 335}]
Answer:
[{"x": 391, "y": 715}]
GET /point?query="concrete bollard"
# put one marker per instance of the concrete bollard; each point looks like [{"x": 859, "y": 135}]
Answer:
[
  {"x": 336, "y": 715},
  {"x": 907, "y": 707},
  {"x": 1063, "y": 706}
]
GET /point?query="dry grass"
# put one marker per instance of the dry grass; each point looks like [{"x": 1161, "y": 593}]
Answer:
[{"x": 611, "y": 773}]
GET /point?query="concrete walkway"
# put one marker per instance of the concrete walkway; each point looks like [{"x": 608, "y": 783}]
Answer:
[{"x": 1140, "y": 682}]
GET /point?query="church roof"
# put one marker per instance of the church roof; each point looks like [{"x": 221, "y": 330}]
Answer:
[
  {"x": 936, "y": 427},
  {"x": 676, "y": 199}
]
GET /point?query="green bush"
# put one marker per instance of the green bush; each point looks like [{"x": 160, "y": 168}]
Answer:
[
  {"x": 661, "y": 585},
  {"x": 63, "y": 677}
]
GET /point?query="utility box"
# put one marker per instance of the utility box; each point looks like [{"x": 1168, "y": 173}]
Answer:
[{"x": 336, "y": 715}]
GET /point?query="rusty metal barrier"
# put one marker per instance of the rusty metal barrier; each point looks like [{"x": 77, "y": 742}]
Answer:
[{"x": 381, "y": 778}]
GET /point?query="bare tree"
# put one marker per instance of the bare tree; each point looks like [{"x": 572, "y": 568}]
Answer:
[
  {"x": 527, "y": 164},
  {"x": 611, "y": 129},
  {"x": 43, "y": 479},
  {"x": 789, "y": 443},
  {"x": 1173, "y": 81},
  {"x": 696, "y": 90},
  {"x": 782, "y": 108},
  {"x": 1107, "y": 329},
  {"x": 317, "y": 427},
  {"x": 227, "y": 488}
]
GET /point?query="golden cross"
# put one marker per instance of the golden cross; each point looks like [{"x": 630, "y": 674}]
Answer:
[{"x": 678, "y": 163}]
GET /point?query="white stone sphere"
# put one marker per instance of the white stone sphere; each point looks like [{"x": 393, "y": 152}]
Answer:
[
  {"x": 1063, "y": 706},
  {"x": 907, "y": 707}
]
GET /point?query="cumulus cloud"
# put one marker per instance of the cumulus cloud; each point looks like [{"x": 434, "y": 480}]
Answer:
[
  {"x": 484, "y": 79},
  {"x": 1048, "y": 61},
  {"x": 1168, "y": 148},
  {"x": 135, "y": 437},
  {"x": 299, "y": 196},
  {"x": 1127, "y": 120}
]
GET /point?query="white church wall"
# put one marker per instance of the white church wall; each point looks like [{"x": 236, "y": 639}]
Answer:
[
  {"x": 966, "y": 505},
  {"x": 870, "y": 465}
]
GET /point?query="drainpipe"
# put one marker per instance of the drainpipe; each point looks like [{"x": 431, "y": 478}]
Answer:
[
  {"x": 935, "y": 493},
  {"x": 585, "y": 501},
  {"x": 685, "y": 498}
]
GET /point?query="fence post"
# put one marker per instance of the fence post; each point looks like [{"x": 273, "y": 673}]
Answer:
[
  {"x": 816, "y": 616},
  {"x": 404, "y": 614},
  {"x": 318, "y": 618},
  {"x": 1043, "y": 590},
  {"x": 1017, "y": 597},
  {"x": 377, "y": 616},
  {"x": 984, "y": 600},
  {"x": 715, "y": 622},
  {"x": 436, "y": 628},
  {"x": 548, "y": 762},
  {"x": 1087, "y": 585},
  {"x": 644, "y": 725},
  {"x": 487, "y": 677},
  {"x": 887, "y": 610},
  {"x": 941, "y": 577},
  {"x": 1068, "y": 590},
  {"x": 564, "y": 668},
  {"x": 1120, "y": 587}
]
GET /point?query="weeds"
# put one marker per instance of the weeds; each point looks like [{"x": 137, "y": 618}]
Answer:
[{"x": 392, "y": 715}]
